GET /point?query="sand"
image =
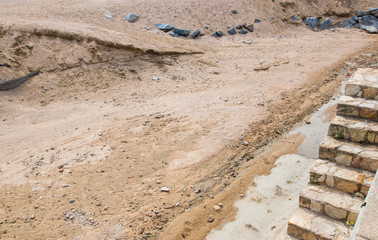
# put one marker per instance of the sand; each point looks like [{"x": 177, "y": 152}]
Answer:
[{"x": 94, "y": 127}]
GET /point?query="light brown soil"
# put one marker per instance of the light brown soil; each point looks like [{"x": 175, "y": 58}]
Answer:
[{"x": 95, "y": 128}]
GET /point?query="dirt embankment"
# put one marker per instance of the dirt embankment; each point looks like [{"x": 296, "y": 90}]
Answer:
[{"x": 88, "y": 143}]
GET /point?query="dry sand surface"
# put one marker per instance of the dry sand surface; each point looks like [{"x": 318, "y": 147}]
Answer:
[{"x": 88, "y": 143}]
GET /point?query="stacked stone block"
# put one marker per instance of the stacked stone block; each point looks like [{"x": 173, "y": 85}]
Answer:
[{"x": 348, "y": 159}]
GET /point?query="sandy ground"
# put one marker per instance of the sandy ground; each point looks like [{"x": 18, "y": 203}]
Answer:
[{"x": 87, "y": 144}]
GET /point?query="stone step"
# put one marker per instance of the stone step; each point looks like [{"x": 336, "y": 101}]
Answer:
[
  {"x": 349, "y": 180},
  {"x": 349, "y": 154},
  {"x": 330, "y": 201},
  {"x": 354, "y": 130},
  {"x": 363, "y": 84},
  {"x": 357, "y": 108},
  {"x": 305, "y": 224}
]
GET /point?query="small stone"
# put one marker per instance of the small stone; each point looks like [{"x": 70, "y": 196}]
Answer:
[
  {"x": 242, "y": 31},
  {"x": 257, "y": 20},
  {"x": 60, "y": 166},
  {"x": 326, "y": 24},
  {"x": 210, "y": 219},
  {"x": 131, "y": 17},
  {"x": 198, "y": 190},
  {"x": 371, "y": 29},
  {"x": 234, "y": 11},
  {"x": 165, "y": 189},
  {"x": 218, "y": 34},
  {"x": 155, "y": 78},
  {"x": 216, "y": 208},
  {"x": 232, "y": 31},
  {"x": 32, "y": 217},
  {"x": 164, "y": 27},
  {"x": 108, "y": 14},
  {"x": 311, "y": 22},
  {"x": 220, "y": 204},
  {"x": 71, "y": 201},
  {"x": 195, "y": 34},
  {"x": 294, "y": 18},
  {"x": 248, "y": 42},
  {"x": 241, "y": 195},
  {"x": 249, "y": 27},
  {"x": 106, "y": 208},
  {"x": 239, "y": 26},
  {"x": 181, "y": 32}
]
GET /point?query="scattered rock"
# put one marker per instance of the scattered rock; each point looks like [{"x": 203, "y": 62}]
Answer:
[
  {"x": 311, "y": 22},
  {"x": 210, "y": 219},
  {"x": 71, "y": 201},
  {"x": 257, "y": 20},
  {"x": 108, "y": 14},
  {"x": 234, "y": 11},
  {"x": 32, "y": 217},
  {"x": 216, "y": 208},
  {"x": 220, "y": 204},
  {"x": 181, "y": 32},
  {"x": 60, "y": 166},
  {"x": 261, "y": 67},
  {"x": 131, "y": 17},
  {"x": 173, "y": 34},
  {"x": 155, "y": 78},
  {"x": 326, "y": 24},
  {"x": 232, "y": 31},
  {"x": 106, "y": 208},
  {"x": 164, "y": 27},
  {"x": 146, "y": 28},
  {"x": 251, "y": 227},
  {"x": 249, "y": 27},
  {"x": 371, "y": 29},
  {"x": 239, "y": 26},
  {"x": 242, "y": 31},
  {"x": 368, "y": 20},
  {"x": 165, "y": 189},
  {"x": 218, "y": 34},
  {"x": 248, "y": 42},
  {"x": 345, "y": 24},
  {"x": 195, "y": 34},
  {"x": 294, "y": 18},
  {"x": 198, "y": 190}
]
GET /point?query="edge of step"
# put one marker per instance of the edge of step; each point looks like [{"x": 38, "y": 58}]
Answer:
[
  {"x": 305, "y": 223},
  {"x": 346, "y": 179},
  {"x": 349, "y": 154},
  {"x": 354, "y": 130},
  {"x": 331, "y": 202},
  {"x": 363, "y": 83},
  {"x": 357, "y": 108}
]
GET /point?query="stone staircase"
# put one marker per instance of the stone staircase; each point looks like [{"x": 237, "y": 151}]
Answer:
[{"x": 348, "y": 159}]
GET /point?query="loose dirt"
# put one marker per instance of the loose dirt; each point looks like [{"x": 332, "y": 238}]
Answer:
[{"x": 87, "y": 144}]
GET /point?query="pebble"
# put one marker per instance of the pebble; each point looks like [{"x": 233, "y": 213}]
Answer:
[
  {"x": 165, "y": 189},
  {"x": 218, "y": 34},
  {"x": 198, "y": 190},
  {"x": 32, "y": 217},
  {"x": 242, "y": 31},
  {"x": 248, "y": 42},
  {"x": 232, "y": 31},
  {"x": 210, "y": 219},
  {"x": 106, "y": 208},
  {"x": 234, "y": 11},
  {"x": 311, "y": 22},
  {"x": 257, "y": 20},
  {"x": 155, "y": 78},
  {"x": 181, "y": 32},
  {"x": 239, "y": 26},
  {"x": 131, "y": 17},
  {"x": 195, "y": 34},
  {"x": 216, "y": 208},
  {"x": 220, "y": 204},
  {"x": 164, "y": 27},
  {"x": 71, "y": 201},
  {"x": 108, "y": 14},
  {"x": 326, "y": 24}
]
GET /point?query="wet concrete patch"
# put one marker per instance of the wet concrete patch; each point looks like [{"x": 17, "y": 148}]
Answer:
[{"x": 266, "y": 208}]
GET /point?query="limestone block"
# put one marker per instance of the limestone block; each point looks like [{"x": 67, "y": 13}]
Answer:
[
  {"x": 335, "y": 213},
  {"x": 343, "y": 159}
]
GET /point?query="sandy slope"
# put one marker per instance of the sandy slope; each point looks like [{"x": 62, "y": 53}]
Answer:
[{"x": 95, "y": 128}]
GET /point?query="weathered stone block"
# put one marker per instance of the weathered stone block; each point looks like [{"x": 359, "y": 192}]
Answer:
[{"x": 335, "y": 213}]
